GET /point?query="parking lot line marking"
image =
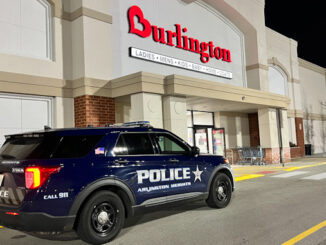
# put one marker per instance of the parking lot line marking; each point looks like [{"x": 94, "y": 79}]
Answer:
[
  {"x": 316, "y": 176},
  {"x": 304, "y": 234},
  {"x": 266, "y": 172},
  {"x": 305, "y": 166},
  {"x": 287, "y": 175},
  {"x": 248, "y": 176}
]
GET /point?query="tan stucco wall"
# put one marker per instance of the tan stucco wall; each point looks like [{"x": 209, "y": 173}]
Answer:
[
  {"x": 313, "y": 87},
  {"x": 313, "y": 90},
  {"x": 282, "y": 52},
  {"x": 236, "y": 129},
  {"x": 63, "y": 112}
]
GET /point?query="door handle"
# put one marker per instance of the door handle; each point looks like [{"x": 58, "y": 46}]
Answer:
[
  {"x": 173, "y": 160},
  {"x": 121, "y": 161}
]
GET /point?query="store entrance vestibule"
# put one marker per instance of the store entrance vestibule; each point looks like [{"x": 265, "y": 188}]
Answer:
[{"x": 203, "y": 134}]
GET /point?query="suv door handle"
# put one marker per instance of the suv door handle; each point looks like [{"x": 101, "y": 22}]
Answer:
[
  {"x": 121, "y": 161},
  {"x": 173, "y": 160}
]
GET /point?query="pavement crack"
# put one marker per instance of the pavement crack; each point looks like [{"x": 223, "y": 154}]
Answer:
[{"x": 18, "y": 237}]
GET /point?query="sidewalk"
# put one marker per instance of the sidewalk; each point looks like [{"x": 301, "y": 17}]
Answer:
[{"x": 243, "y": 172}]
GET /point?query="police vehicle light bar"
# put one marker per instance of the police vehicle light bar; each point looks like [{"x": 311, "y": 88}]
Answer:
[
  {"x": 131, "y": 124},
  {"x": 135, "y": 123}
]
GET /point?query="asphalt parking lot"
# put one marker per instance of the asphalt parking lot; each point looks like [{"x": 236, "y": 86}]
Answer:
[{"x": 278, "y": 207}]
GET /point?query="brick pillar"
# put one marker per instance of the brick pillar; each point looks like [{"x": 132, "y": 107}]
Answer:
[
  {"x": 272, "y": 155},
  {"x": 254, "y": 129},
  {"x": 300, "y": 135},
  {"x": 94, "y": 110}
]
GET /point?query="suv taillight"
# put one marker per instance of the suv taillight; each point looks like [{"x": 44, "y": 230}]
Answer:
[{"x": 36, "y": 176}]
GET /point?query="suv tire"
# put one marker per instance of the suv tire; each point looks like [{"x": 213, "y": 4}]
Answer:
[
  {"x": 101, "y": 218},
  {"x": 220, "y": 191}
]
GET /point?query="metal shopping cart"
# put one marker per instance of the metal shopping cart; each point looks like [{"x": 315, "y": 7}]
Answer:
[{"x": 251, "y": 155}]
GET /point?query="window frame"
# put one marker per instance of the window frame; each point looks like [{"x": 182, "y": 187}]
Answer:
[
  {"x": 156, "y": 148},
  {"x": 134, "y": 155},
  {"x": 49, "y": 29},
  {"x": 173, "y": 138}
]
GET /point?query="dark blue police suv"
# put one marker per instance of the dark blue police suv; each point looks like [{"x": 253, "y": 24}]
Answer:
[{"x": 92, "y": 179}]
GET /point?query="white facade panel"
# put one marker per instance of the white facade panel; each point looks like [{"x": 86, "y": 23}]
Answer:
[
  {"x": 9, "y": 37},
  {"x": 9, "y": 14},
  {"x": 33, "y": 42},
  {"x": 33, "y": 15},
  {"x": 10, "y": 113},
  {"x": 25, "y": 28},
  {"x": 277, "y": 81},
  {"x": 23, "y": 113},
  {"x": 35, "y": 114}
]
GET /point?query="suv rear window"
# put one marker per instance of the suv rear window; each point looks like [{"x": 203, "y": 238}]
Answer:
[{"x": 48, "y": 147}]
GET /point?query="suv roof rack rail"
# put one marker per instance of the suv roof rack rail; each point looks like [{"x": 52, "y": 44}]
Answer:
[{"x": 131, "y": 124}]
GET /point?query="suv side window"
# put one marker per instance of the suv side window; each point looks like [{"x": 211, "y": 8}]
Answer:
[
  {"x": 170, "y": 145},
  {"x": 133, "y": 144}
]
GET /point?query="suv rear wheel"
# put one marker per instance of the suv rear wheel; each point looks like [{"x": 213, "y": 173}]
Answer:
[
  {"x": 101, "y": 218},
  {"x": 220, "y": 191}
]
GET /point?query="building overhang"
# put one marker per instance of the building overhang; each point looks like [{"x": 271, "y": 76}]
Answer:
[{"x": 176, "y": 85}]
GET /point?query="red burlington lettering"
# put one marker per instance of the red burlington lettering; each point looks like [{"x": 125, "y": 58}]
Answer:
[
  {"x": 206, "y": 50},
  {"x": 178, "y": 33},
  {"x": 160, "y": 39},
  {"x": 211, "y": 49},
  {"x": 218, "y": 53},
  {"x": 171, "y": 35},
  {"x": 226, "y": 55},
  {"x": 193, "y": 43},
  {"x": 133, "y": 12},
  {"x": 204, "y": 57},
  {"x": 185, "y": 43}
]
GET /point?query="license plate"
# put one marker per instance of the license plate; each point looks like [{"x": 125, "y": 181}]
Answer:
[{"x": 1, "y": 179}]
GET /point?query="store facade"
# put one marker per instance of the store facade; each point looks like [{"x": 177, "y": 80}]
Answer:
[{"x": 209, "y": 71}]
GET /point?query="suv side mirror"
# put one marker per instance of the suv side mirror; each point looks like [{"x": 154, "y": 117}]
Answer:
[{"x": 195, "y": 150}]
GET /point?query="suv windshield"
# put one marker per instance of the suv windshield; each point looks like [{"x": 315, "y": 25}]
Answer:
[{"x": 48, "y": 146}]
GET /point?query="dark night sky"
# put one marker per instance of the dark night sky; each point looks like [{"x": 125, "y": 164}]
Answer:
[{"x": 303, "y": 21}]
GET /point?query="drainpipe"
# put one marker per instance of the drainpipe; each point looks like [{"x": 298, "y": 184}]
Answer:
[{"x": 279, "y": 125}]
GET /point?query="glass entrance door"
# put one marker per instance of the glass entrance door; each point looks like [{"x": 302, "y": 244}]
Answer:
[
  {"x": 210, "y": 140},
  {"x": 201, "y": 139},
  {"x": 218, "y": 141}
]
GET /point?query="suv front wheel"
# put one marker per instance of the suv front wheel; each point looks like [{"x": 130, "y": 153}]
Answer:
[
  {"x": 101, "y": 218},
  {"x": 220, "y": 191}
]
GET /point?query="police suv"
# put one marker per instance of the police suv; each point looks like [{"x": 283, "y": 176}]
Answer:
[{"x": 92, "y": 179}]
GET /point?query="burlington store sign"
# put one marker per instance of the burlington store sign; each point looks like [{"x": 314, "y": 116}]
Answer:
[{"x": 177, "y": 39}]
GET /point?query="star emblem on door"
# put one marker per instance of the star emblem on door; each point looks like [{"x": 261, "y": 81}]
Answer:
[{"x": 197, "y": 174}]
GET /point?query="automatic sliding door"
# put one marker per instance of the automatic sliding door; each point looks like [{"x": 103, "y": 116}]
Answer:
[{"x": 201, "y": 139}]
